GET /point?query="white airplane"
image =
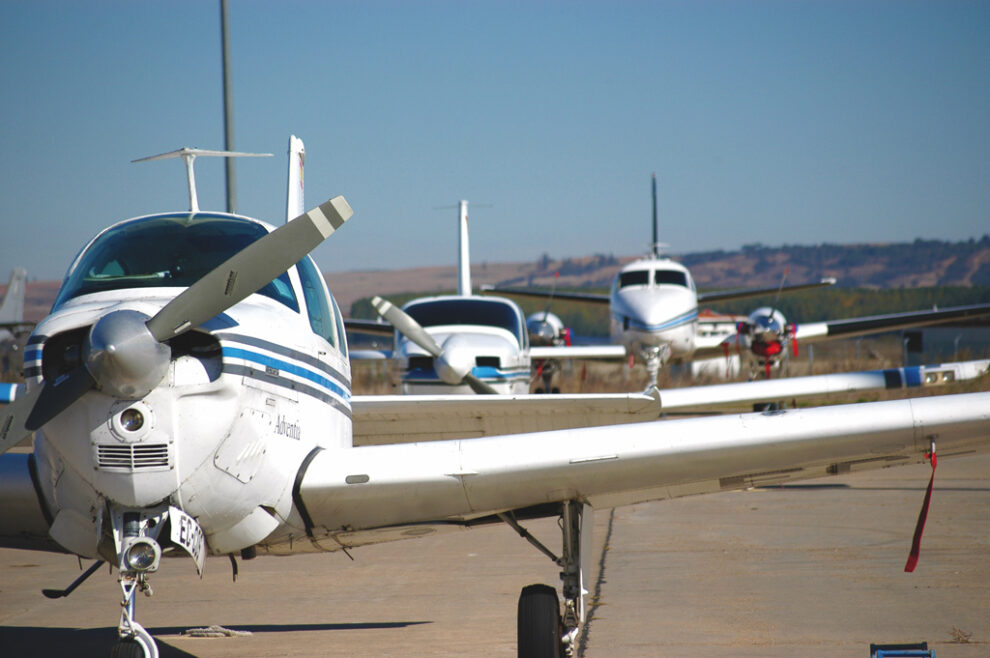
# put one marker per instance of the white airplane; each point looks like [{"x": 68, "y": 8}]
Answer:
[
  {"x": 194, "y": 399},
  {"x": 12, "y": 309},
  {"x": 465, "y": 343},
  {"x": 654, "y": 314}
]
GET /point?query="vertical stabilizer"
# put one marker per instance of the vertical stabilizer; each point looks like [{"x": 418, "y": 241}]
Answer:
[
  {"x": 12, "y": 308},
  {"x": 463, "y": 253},
  {"x": 295, "y": 201}
]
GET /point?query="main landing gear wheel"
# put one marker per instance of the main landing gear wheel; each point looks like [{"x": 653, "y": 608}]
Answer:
[{"x": 538, "y": 624}]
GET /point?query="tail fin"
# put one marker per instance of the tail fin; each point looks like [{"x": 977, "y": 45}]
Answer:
[
  {"x": 295, "y": 204},
  {"x": 463, "y": 253},
  {"x": 12, "y": 308}
]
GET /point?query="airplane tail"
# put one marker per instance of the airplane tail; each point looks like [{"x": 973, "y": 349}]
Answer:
[
  {"x": 463, "y": 253},
  {"x": 12, "y": 308},
  {"x": 295, "y": 203}
]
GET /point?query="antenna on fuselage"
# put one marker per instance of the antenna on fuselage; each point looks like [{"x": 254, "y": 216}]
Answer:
[
  {"x": 189, "y": 154},
  {"x": 656, "y": 237}
]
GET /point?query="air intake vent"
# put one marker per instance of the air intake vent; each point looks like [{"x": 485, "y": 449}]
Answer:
[
  {"x": 133, "y": 457},
  {"x": 421, "y": 363}
]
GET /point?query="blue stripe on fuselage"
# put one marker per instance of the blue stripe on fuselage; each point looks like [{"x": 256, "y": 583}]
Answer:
[
  {"x": 680, "y": 320},
  {"x": 285, "y": 366}
]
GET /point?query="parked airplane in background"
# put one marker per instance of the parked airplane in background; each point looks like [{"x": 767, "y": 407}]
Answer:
[
  {"x": 654, "y": 305},
  {"x": 466, "y": 343},
  {"x": 654, "y": 314},
  {"x": 768, "y": 336},
  {"x": 194, "y": 398},
  {"x": 12, "y": 309}
]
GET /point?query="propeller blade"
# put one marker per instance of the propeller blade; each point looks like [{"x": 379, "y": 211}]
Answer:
[
  {"x": 406, "y": 325},
  {"x": 39, "y": 405},
  {"x": 479, "y": 386},
  {"x": 55, "y": 398},
  {"x": 249, "y": 270}
]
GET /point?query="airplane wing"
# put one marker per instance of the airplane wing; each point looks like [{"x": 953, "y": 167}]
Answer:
[
  {"x": 725, "y": 295},
  {"x": 543, "y": 293},
  {"x": 788, "y": 388},
  {"x": 850, "y": 327},
  {"x": 707, "y": 297},
  {"x": 372, "y": 327},
  {"x": 347, "y": 497},
  {"x": 370, "y": 355},
  {"x": 382, "y": 419},
  {"x": 578, "y": 352}
]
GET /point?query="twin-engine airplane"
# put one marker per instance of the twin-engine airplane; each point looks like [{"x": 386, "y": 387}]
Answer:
[
  {"x": 195, "y": 398},
  {"x": 465, "y": 343},
  {"x": 654, "y": 305},
  {"x": 654, "y": 314}
]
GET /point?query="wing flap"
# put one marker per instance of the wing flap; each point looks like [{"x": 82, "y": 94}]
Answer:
[{"x": 382, "y": 419}]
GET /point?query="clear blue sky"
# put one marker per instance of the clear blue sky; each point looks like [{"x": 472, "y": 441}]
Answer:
[{"x": 773, "y": 122}]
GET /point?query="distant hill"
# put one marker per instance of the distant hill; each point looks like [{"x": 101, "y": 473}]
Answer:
[{"x": 922, "y": 263}]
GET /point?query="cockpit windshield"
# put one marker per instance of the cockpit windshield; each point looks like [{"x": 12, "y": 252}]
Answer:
[
  {"x": 484, "y": 312},
  {"x": 166, "y": 251},
  {"x": 670, "y": 277},
  {"x": 634, "y": 278}
]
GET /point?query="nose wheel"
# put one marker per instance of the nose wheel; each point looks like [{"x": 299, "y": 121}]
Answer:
[{"x": 135, "y": 641}]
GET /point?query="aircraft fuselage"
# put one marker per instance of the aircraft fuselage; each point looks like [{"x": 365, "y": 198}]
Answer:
[{"x": 654, "y": 304}]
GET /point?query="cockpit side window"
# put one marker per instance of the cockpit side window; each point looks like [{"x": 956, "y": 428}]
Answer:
[
  {"x": 634, "y": 278},
  {"x": 166, "y": 251},
  {"x": 321, "y": 318},
  {"x": 670, "y": 277}
]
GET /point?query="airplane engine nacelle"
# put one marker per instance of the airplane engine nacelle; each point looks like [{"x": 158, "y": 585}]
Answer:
[
  {"x": 766, "y": 324},
  {"x": 544, "y": 328}
]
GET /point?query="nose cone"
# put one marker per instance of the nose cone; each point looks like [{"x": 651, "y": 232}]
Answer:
[
  {"x": 767, "y": 324},
  {"x": 456, "y": 361},
  {"x": 124, "y": 358},
  {"x": 656, "y": 309}
]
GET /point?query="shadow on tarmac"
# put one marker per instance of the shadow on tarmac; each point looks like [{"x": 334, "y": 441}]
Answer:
[{"x": 48, "y": 641}]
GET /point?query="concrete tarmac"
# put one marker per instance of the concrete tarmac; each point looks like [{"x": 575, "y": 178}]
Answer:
[{"x": 813, "y": 569}]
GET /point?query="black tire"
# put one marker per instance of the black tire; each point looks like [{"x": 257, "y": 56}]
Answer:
[
  {"x": 538, "y": 624},
  {"x": 555, "y": 390},
  {"x": 127, "y": 649}
]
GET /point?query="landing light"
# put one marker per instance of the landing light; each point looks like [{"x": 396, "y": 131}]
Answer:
[
  {"x": 143, "y": 555},
  {"x": 132, "y": 420}
]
